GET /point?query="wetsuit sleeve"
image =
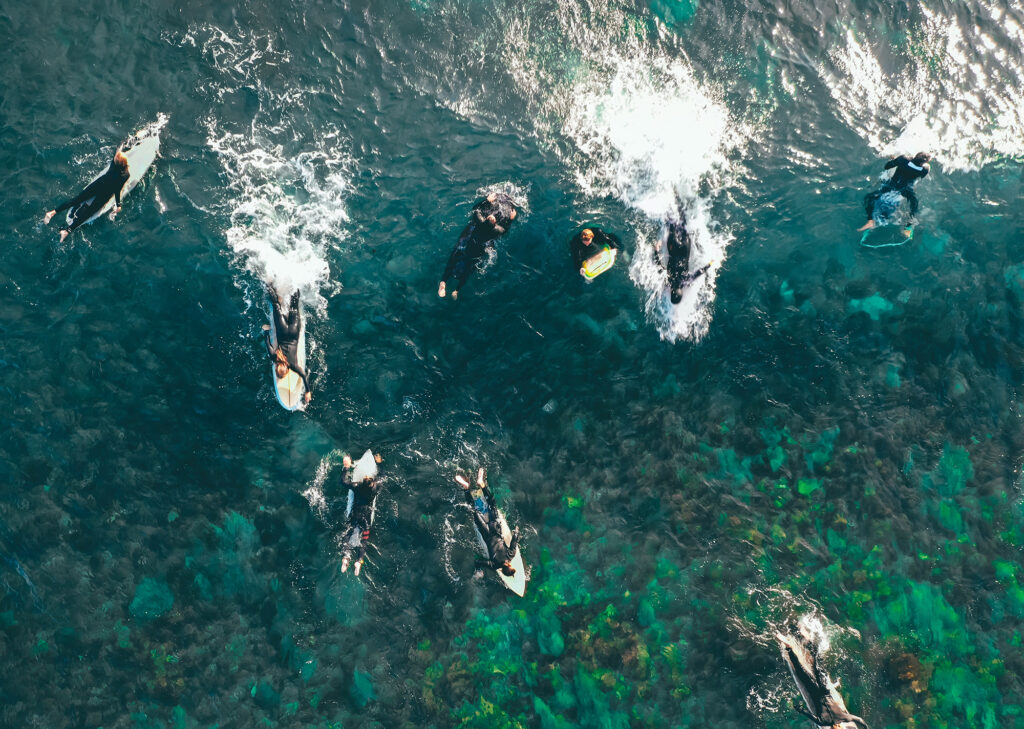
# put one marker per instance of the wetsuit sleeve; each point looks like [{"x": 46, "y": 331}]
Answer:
[
  {"x": 270, "y": 350},
  {"x": 804, "y": 712},
  {"x": 478, "y": 215},
  {"x": 514, "y": 544},
  {"x": 499, "y": 230},
  {"x": 607, "y": 239},
  {"x": 576, "y": 247},
  {"x": 117, "y": 195},
  {"x": 895, "y": 161},
  {"x": 486, "y": 562}
]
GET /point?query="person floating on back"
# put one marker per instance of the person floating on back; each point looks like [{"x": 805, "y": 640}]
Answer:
[
  {"x": 488, "y": 526},
  {"x": 908, "y": 171},
  {"x": 95, "y": 196},
  {"x": 588, "y": 245},
  {"x": 491, "y": 219},
  {"x": 362, "y": 496},
  {"x": 825, "y": 707},
  {"x": 678, "y": 245},
  {"x": 286, "y": 356}
]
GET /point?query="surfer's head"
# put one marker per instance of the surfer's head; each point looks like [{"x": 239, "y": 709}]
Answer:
[
  {"x": 587, "y": 236},
  {"x": 507, "y": 569},
  {"x": 921, "y": 158},
  {"x": 120, "y": 160},
  {"x": 281, "y": 370}
]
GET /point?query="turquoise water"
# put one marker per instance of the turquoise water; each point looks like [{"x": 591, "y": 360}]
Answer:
[{"x": 820, "y": 430}]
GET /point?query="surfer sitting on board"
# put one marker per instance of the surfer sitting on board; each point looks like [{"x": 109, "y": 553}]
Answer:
[
  {"x": 677, "y": 242},
  {"x": 96, "y": 194},
  {"x": 825, "y": 707},
  {"x": 286, "y": 356},
  {"x": 908, "y": 171},
  {"x": 588, "y": 242},
  {"x": 485, "y": 515},
  {"x": 492, "y": 217},
  {"x": 360, "y": 517}
]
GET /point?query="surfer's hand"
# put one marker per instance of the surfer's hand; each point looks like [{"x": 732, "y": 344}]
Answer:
[
  {"x": 309, "y": 396},
  {"x": 49, "y": 216},
  {"x": 266, "y": 327},
  {"x": 582, "y": 272},
  {"x": 346, "y": 461},
  {"x": 376, "y": 457}
]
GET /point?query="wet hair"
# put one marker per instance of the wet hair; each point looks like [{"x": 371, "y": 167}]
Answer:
[
  {"x": 586, "y": 234},
  {"x": 507, "y": 569},
  {"x": 120, "y": 160},
  {"x": 277, "y": 370},
  {"x": 921, "y": 158}
]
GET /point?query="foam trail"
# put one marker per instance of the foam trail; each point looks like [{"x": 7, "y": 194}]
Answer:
[
  {"x": 647, "y": 132},
  {"x": 957, "y": 92},
  {"x": 286, "y": 211}
]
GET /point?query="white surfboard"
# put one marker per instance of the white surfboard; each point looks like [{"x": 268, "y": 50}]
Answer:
[
  {"x": 290, "y": 389},
  {"x": 517, "y": 582},
  {"x": 141, "y": 149},
  {"x": 365, "y": 467}
]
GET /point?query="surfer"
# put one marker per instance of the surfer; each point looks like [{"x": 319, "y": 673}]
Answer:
[
  {"x": 286, "y": 355},
  {"x": 825, "y": 707},
  {"x": 678, "y": 244},
  {"x": 96, "y": 194},
  {"x": 907, "y": 172},
  {"x": 360, "y": 515},
  {"x": 491, "y": 219},
  {"x": 488, "y": 525},
  {"x": 588, "y": 242}
]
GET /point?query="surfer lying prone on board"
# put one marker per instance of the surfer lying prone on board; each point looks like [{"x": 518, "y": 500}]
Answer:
[
  {"x": 588, "y": 242},
  {"x": 908, "y": 171},
  {"x": 360, "y": 515},
  {"x": 289, "y": 329},
  {"x": 825, "y": 707},
  {"x": 678, "y": 245},
  {"x": 96, "y": 194},
  {"x": 491, "y": 219},
  {"x": 488, "y": 524}
]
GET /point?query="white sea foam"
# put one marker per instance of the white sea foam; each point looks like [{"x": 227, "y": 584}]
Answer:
[{"x": 957, "y": 93}]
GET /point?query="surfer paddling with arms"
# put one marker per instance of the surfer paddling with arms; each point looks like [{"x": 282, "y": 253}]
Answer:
[
  {"x": 288, "y": 330},
  {"x": 95, "y": 196},
  {"x": 488, "y": 526},
  {"x": 361, "y": 497},
  {"x": 908, "y": 171},
  {"x": 825, "y": 707},
  {"x": 492, "y": 217}
]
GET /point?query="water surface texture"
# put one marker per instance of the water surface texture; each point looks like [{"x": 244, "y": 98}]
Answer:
[{"x": 818, "y": 432}]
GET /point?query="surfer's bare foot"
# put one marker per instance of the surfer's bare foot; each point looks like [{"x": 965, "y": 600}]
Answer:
[
  {"x": 49, "y": 216},
  {"x": 480, "y": 477},
  {"x": 461, "y": 481},
  {"x": 867, "y": 226},
  {"x": 455, "y": 294},
  {"x": 907, "y": 232},
  {"x": 440, "y": 289},
  {"x": 63, "y": 235}
]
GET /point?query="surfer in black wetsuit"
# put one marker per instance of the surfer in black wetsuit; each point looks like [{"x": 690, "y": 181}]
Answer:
[
  {"x": 678, "y": 245},
  {"x": 96, "y": 194},
  {"x": 360, "y": 518},
  {"x": 485, "y": 517},
  {"x": 825, "y": 707},
  {"x": 492, "y": 217},
  {"x": 286, "y": 355},
  {"x": 908, "y": 171},
  {"x": 589, "y": 242}
]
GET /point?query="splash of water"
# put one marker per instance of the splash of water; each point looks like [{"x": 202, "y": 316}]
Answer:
[{"x": 648, "y": 132}]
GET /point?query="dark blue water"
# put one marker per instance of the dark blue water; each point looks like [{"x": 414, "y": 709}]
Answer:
[{"x": 819, "y": 431}]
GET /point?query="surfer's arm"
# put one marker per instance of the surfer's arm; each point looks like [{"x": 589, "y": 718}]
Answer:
[
  {"x": 514, "y": 544},
  {"x": 804, "y": 712},
  {"x": 610, "y": 240},
  {"x": 498, "y": 231},
  {"x": 486, "y": 562},
  {"x": 266, "y": 340},
  {"x": 301, "y": 373}
]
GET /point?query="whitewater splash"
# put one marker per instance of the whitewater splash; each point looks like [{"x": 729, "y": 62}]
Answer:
[
  {"x": 647, "y": 133},
  {"x": 958, "y": 91}
]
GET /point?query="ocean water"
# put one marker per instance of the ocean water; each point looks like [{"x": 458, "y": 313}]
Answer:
[{"x": 820, "y": 434}]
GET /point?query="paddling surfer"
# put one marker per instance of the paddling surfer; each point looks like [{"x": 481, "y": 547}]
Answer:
[
  {"x": 907, "y": 172},
  {"x": 492, "y": 217},
  {"x": 286, "y": 355},
  {"x": 96, "y": 194},
  {"x": 488, "y": 525}
]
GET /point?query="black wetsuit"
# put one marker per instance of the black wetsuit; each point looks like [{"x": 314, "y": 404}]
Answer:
[
  {"x": 827, "y": 711},
  {"x": 490, "y": 529},
  {"x": 902, "y": 181},
  {"x": 361, "y": 517},
  {"x": 477, "y": 237},
  {"x": 678, "y": 269},
  {"x": 96, "y": 194},
  {"x": 288, "y": 332},
  {"x": 581, "y": 252}
]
